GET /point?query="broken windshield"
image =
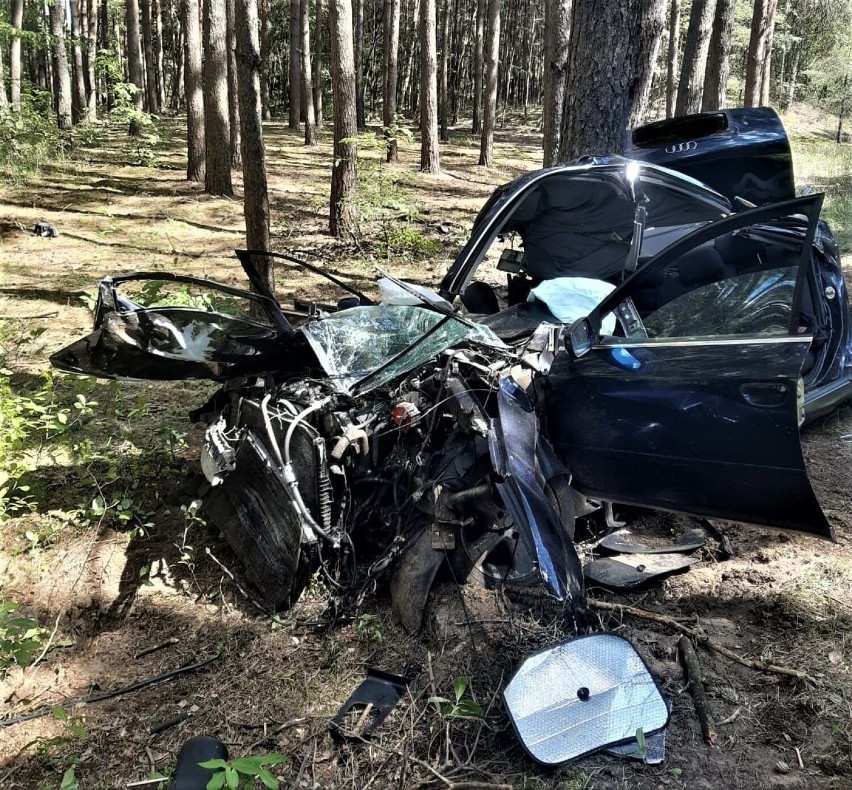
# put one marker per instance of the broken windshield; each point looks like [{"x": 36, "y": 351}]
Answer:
[{"x": 353, "y": 344}]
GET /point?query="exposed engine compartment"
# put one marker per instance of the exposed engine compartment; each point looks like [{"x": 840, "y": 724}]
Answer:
[{"x": 304, "y": 478}]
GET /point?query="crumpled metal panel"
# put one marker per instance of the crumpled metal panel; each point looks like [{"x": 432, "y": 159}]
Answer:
[
  {"x": 352, "y": 344},
  {"x": 583, "y": 695},
  {"x": 523, "y": 459}
]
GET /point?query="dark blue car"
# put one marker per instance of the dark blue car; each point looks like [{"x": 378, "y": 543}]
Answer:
[{"x": 613, "y": 331}]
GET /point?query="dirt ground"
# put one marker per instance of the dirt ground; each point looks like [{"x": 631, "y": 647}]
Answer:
[{"x": 109, "y": 590}]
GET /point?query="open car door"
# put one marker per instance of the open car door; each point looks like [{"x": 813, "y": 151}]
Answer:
[{"x": 695, "y": 404}]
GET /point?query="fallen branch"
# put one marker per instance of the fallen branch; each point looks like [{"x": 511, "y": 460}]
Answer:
[
  {"x": 702, "y": 639},
  {"x": 142, "y": 684},
  {"x": 692, "y": 670}
]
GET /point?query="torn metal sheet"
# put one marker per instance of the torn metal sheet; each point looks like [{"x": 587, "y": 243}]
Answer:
[
  {"x": 633, "y": 570},
  {"x": 522, "y": 459},
  {"x": 625, "y": 542},
  {"x": 583, "y": 695},
  {"x": 374, "y": 699}
]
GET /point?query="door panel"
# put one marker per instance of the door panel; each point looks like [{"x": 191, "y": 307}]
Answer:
[
  {"x": 697, "y": 410},
  {"x": 694, "y": 428}
]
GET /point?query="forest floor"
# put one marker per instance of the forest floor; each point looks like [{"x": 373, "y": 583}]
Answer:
[{"x": 107, "y": 553}]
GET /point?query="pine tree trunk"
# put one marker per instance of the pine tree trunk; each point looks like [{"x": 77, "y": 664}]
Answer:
[
  {"x": 15, "y": 55},
  {"x": 430, "y": 159},
  {"x": 264, "y": 61},
  {"x": 557, "y": 29},
  {"x": 307, "y": 86},
  {"x": 233, "y": 90},
  {"x": 391, "y": 73},
  {"x": 295, "y": 70},
  {"x": 159, "y": 77},
  {"x": 178, "y": 85},
  {"x": 78, "y": 83},
  {"x": 759, "y": 50},
  {"x": 767, "y": 54},
  {"x": 719, "y": 56},
  {"x": 4, "y": 99},
  {"x": 61, "y": 75},
  {"x": 641, "y": 88},
  {"x": 318, "y": 63},
  {"x": 489, "y": 99},
  {"x": 255, "y": 193},
  {"x": 671, "y": 60},
  {"x": 194, "y": 94},
  {"x": 217, "y": 133},
  {"x": 343, "y": 179},
  {"x": 598, "y": 99},
  {"x": 695, "y": 48},
  {"x": 91, "y": 57},
  {"x": 153, "y": 100},
  {"x": 358, "y": 15},
  {"x": 134, "y": 58},
  {"x": 478, "y": 66},
  {"x": 794, "y": 76},
  {"x": 442, "y": 81}
]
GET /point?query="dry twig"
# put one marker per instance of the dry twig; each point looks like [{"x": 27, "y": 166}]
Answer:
[
  {"x": 698, "y": 635},
  {"x": 696, "y": 689}
]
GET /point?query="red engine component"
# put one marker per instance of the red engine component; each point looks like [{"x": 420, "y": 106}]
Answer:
[{"x": 405, "y": 415}]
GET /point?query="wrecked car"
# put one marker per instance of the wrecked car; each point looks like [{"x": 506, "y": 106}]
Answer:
[{"x": 613, "y": 331}]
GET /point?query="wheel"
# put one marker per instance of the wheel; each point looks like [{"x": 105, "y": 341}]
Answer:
[{"x": 490, "y": 551}]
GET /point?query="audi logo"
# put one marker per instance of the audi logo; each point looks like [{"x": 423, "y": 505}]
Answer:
[{"x": 679, "y": 148}]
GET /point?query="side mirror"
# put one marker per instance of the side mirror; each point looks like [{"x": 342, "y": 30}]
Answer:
[{"x": 580, "y": 338}]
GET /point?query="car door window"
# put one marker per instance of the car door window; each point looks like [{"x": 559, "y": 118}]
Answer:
[
  {"x": 756, "y": 304},
  {"x": 744, "y": 281}
]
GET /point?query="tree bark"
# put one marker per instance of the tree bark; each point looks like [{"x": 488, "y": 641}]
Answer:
[
  {"x": 295, "y": 70},
  {"x": 695, "y": 49},
  {"x": 557, "y": 31},
  {"x": 217, "y": 133},
  {"x": 759, "y": 50},
  {"x": 718, "y": 61},
  {"x": 307, "y": 87},
  {"x": 255, "y": 193},
  {"x": 91, "y": 57},
  {"x": 599, "y": 98},
  {"x": 134, "y": 57},
  {"x": 61, "y": 75},
  {"x": 489, "y": 99},
  {"x": 233, "y": 90},
  {"x": 78, "y": 80},
  {"x": 391, "y": 74},
  {"x": 641, "y": 89},
  {"x": 767, "y": 55},
  {"x": 478, "y": 65},
  {"x": 194, "y": 94},
  {"x": 358, "y": 14},
  {"x": 343, "y": 179},
  {"x": 671, "y": 61},
  {"x": 4, "y": 99},
  {"x": 264, "y": 61},
  {"x": 152, "y": 99},
  {"x": 430, "y": 158},
  {"x": 443, "y": 77},
  {"x": 157, "y": 37},
  {"x": 178, "y": 38},
  {"x": 318, "y": 62},
  {"x": 15, "y": 55}
]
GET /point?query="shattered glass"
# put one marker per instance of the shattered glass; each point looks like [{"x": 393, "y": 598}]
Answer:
[
  {"x": 352, "y": 344},
  {"x": 583, "y": 695}
]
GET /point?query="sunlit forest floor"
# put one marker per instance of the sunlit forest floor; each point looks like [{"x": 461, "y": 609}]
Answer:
[{"x": 101, "y": 545}]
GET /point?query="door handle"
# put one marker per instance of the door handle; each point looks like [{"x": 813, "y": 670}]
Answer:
[{"x": 766, "y": 394}]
